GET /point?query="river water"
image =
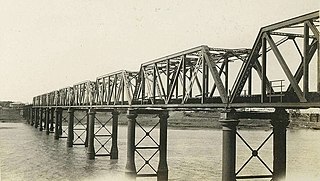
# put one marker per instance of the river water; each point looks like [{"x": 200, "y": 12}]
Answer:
[{"x": 31, "y": 155}]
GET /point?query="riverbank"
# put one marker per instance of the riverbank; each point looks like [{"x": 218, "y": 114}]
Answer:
[{"x": 186, "y": 120}]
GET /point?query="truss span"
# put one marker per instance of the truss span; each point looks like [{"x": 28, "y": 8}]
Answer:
[{"x": 276, "y": 72}]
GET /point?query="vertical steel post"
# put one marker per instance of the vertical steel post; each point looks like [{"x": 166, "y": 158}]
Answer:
[
  {"x": 56, "y": 126},
  {"x": 184, "y": 76},
  {"x": 168, "y": 77},
  {"x": 114, "y": 146},
  {"x": 229, "y": 125},
  {"x": 250, "y": 83},
  {"x": 154, "y": 84},
  {"x": 318, "y": 69},
  {"x": 37, "y": 118},
  {"x": 130, "y": 166},
  {"x": 87, "y": 127},
  {"x": 203, "y": 93},
  {"x": 264, "y": 70},
  {"x": 51, "y": 119},
  {"x": 190, "y": 77},
  {"x": 90, "y": 150},
  {"x": 226, "y": 81},
  {"x": 305, "y": 60},
  {"x": 143, "y": 88},
  {"x": 279, "y": 122},
  {"x": 70, "y": 127},
  {"x": 47, "y": 121},
  {"x": 162, "y": 174}
]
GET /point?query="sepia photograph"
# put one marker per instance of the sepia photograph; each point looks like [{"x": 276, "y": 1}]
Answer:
[{"x": 172, "y": 90}]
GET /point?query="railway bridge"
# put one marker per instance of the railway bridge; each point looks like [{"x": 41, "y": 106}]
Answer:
[{"x": 281, "y": 71}]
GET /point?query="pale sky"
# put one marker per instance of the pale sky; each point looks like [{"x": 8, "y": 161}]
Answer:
[{"x": 50, "y": 44}]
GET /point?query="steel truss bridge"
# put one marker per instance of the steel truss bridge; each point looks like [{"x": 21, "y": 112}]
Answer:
[{"x": 280, "y": 71}]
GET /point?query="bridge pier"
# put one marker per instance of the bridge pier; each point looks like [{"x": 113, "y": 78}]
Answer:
[
  {"x": 161, "y": 146},
  {"x": 279, "y": 123},
  {"x": 26, "y": 114},
  {"x": 32, "y": 114},
  {"x": 90, "y": 149},
  {"x": 130, "y": 166},
  {"x": 36, "y": 118},
  {"x": 162, "y": 174},
  {"x": 60, "y": 122},
  {"x": 41, "y": 120},
  {"x": 57, "y": 124},
  {"x": 70, "y": 127},
  {"x": 229, "y": 125},
  {"x": 114, "y": 146},
  {"x": 47, "y": 121},
  {"x": 87, "y": 127},
  {"x": 51, "y": 119}
]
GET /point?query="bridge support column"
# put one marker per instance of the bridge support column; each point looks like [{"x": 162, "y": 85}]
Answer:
[
  {"x": 47, "y": 121},
  {"x": 279, "y": 123},
  {"x": 130, "y": 166},
  {"x": 90, "y": 130},
  {"x": 87, "y": 127},
  {"x": 32, "y": 116},
  {"x": 70, "y": 127},
  {"x": 29, "y": 115},
  {"x": 57, "y": 122},
  {"x": 60, "y": 122},
  {"x": 162, "y": 174},
  {"x": 41, "y": 120},
  {"x": 26, "y": 114},
  {"x": 229, "y": 125},
  {"x": 44, "y": 119},
  {"x": 114, "y": 146},
  {"x": 36, "y": 118},
  {"x": 51, "y": 119}
]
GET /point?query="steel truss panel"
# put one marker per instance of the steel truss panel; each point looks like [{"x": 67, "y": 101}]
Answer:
[{"x": 199, "y": 77}]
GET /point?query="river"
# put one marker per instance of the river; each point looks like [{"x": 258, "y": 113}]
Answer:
[{"x": 27, "y": 154}]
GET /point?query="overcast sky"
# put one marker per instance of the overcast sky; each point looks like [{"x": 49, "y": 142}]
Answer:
[{"x": 50, "y": 44}]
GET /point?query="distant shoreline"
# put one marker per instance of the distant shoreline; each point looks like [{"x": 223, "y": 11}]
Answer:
[{"x": 188, "y": 120}]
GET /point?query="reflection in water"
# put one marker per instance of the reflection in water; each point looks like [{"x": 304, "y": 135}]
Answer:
[{"x": 27, "y": 154}]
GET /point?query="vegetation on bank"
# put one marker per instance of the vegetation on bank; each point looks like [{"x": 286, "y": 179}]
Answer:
[{"x": 185, "y": 120}]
